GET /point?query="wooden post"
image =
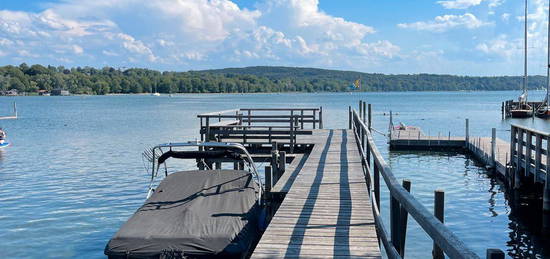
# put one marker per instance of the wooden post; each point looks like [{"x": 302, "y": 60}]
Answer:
[
  {"x": 376, "y": 184},
  {"x": 314, "y": 115},
  {"x": 207, "y": 136},
  {"x": 364, "y": 111},
  {"x": 494, "y": 253},
  {"x": 546, "y": 194},
  {"x": 403, "y": 216},
  {"x": 439, "y": 212},
  {"x": 502, "y": 110},
  {"x": 360, "y": 109},
  {"x": 282, "y": 164},
  {"x": 467, "y": 133},
  {"x": 302, "y": 119},
  {"x": 493, "y": 146},
  {"x": 394, "y": 222},
  {"x": 321, "y": 117},
  {"x": 274, "y": 166},
  {"x": 528, "y": 151},
  {"x": 268, "y": 179},
  {"x": 538, "y": 154},
  {"x": 518, "y": 151},
  {"x": 370, "y": 117},
  {"x": 349, "y": 117},
  {"x": 292, "y": 127}
]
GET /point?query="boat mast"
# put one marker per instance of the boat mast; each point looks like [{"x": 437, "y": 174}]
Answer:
[{"x": 525, "y": 57}]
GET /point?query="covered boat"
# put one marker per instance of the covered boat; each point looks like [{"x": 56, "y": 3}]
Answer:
[{"x": 196, "y": 213}]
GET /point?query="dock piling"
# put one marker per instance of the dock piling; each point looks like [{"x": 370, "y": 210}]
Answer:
[
  {"x": 494, "y": 253},
  {"x": 493, "y": 146},
  {"x": 394, "y": 222},
  {"x": 349, "y": 117},
  {"x": 370, "y": 117},
  {"x": 268, "y": 178},
  {"x": 467, "y": 133},
  {"x": 282, "y": 164},
  {"x": 403, "y": 217},
  {"x": 546, "y": 194},
  {"x": 439, "y": 212}
]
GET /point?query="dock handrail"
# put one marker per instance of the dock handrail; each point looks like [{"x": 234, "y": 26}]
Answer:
[
  {"x": 529, "y": 159},
  {"x": 402, "y": 202},
  {"x": 259, "y": 123}
]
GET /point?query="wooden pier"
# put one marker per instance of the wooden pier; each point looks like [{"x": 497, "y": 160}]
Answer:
[
  {"x": 326, "y": 213},
  {"x": 523, "y": 161},
  {"x": 322, "y": 186}
]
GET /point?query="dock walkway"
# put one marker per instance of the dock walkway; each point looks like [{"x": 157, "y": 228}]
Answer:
[{"x": 327, "y": 211}]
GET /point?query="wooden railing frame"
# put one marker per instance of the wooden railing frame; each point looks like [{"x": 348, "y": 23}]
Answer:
[
  {"x": 524, "y": 154},
  {"x": 401, "y": 199},
  {"x": 248, "y": 121}
]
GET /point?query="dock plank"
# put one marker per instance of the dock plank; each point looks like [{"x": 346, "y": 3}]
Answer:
[{"x": 326, "y": 212}]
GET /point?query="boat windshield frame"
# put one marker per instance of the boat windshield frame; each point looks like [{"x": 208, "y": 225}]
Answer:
[{"x": 220, "y": 145}]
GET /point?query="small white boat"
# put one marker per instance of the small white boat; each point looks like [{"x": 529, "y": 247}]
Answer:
[
  {"x": 155, "y": 94},
  {"x": 3, "y": 142}
]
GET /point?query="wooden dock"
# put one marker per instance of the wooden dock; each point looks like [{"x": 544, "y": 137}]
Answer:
[
  {"x": 524, "y": 161},
  {"x": 322, "y": 187},
  {"x": 326, "y": 212}
]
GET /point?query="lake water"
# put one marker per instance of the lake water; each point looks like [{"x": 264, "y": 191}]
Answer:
[{"x": 74, "y": 174}]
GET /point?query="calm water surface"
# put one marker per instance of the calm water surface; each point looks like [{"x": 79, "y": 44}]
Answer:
[{"x": 74, "y": 173}]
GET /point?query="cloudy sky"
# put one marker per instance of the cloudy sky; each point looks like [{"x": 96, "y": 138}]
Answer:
[{"x": 464, "y": 37}]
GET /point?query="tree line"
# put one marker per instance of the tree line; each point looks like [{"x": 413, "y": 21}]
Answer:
[{"x": 89, "y": 80}]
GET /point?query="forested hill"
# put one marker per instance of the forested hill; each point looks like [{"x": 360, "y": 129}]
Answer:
[
  {"x": 87, "y": 80},
  {"x": 383, "y": 82}
]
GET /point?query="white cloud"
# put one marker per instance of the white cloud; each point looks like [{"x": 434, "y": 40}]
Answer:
[
  {"x": 502, "y": 46},
  {"x": 446, "y": 22},
  {"x": 77, "y": 49},
  {"x": 465, "y": 4},
  {"x": 459, "y": 4},
  {"x": 505, "y": 17},
  {"x": 192, "y": 33}
]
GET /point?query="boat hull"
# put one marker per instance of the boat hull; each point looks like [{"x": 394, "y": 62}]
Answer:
[
  {"x": 521, "y": 113},
  {"x": 543, "y": 114}
]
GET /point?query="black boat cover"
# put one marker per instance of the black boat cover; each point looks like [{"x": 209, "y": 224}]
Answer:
[{"x": 193, "y": 214}]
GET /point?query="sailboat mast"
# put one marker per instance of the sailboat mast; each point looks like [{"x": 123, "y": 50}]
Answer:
[
  {"x": 525, "y": 55},
  {"x": 548, "y": 65}
]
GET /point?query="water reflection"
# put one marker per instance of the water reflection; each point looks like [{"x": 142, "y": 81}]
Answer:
[{"x": 470, "y": 192}]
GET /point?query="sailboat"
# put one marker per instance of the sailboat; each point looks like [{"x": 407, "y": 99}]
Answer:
[
  {"x": 154, "y": 92},
  {"x": 522, "y": 109},
  {"x": 543, "y": 110}
]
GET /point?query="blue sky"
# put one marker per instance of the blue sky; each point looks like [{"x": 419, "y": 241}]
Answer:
[{"x": 463, "y": 37}]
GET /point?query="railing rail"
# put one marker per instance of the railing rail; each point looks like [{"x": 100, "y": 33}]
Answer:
[{"x": 402, "y": 202}]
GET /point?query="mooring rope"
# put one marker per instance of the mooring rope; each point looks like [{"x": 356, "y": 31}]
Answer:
[{"x": 379, "y": 132}]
